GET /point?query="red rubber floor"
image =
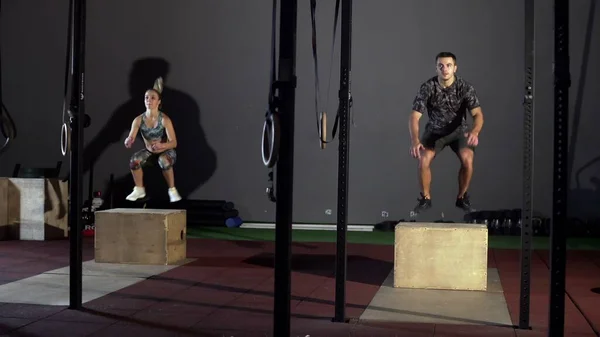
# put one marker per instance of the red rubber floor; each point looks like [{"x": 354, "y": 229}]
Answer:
[{"x": 228, "y": 291}]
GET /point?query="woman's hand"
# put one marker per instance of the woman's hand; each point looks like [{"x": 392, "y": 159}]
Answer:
[
  {"x": 128, "y": 142},
  {"x": 158, "y": 147}
]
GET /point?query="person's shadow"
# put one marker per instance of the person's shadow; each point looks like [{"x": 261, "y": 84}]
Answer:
[
  {"x": 196, "y": 160},
  {"x": 584, "y": 215}
]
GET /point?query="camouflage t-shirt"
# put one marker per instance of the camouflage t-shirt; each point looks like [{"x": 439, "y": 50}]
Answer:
[{"x": 447, "y": 108}]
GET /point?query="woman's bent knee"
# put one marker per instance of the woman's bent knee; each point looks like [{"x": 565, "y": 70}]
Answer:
[
  {"x": 165, "y": 165},
  {"x": 138, "y": 159},
  {"x": 135, "y": 164},
  {"x": 167, "y": 160}
]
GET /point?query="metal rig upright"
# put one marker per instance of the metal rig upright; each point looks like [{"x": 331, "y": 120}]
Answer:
[
  {"x": 77, "y": 114},
  {"x": 344, "y": 151},
  {"x": 285, "y": 167},
  {"x": 562, "y": 83},
  {"x": 528, "y": 150}
]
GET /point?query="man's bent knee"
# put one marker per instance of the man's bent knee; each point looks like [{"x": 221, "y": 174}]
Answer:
[
  {"x": 466, "y": 157},
  {"x": 426, "y": 158}
]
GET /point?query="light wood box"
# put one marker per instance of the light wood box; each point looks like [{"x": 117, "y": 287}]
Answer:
[
  {"x": 34, "y": 209},
  {"x": 451, "y": 256},
  {"x": 140, "y": 236}
]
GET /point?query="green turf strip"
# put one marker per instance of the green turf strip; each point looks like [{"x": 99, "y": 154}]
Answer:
[{"x": 378, "y": 238}]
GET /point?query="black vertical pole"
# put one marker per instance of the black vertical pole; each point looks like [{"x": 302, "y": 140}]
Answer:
[
  {"x": 528, "y": 144},
  {"x": 1, "y": 101},
  {"x": 562, "y": 83},
  {"x": 342, "y": 207},
  {"x": 285, "y": 167},
  {"x": 77, "y": 113},
  {"x": 91, "y": 186}
]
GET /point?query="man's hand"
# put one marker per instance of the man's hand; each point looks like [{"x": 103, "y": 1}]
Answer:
[
  {"x": 472, "y": 138},
  {"x": 128, "y": 142},
  {"x": 415, "y": 150}
]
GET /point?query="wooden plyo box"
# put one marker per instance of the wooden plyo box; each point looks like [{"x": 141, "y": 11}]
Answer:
[
  {"x": 450, "y": 256},
  {"x": 140, "y": 236},
  {"x": 4, "y": 225},
  {"x": 34, "y": 209}
]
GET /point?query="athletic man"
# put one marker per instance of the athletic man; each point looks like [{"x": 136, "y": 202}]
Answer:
[{"x": 447, "y": 98}]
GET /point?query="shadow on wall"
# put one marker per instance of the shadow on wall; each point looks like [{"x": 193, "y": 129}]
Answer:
[
  {"x": 196, "y": 160},
  {"x": 583, "y": 203}
]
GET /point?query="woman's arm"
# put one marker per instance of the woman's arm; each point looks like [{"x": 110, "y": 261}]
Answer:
[
  {"x": 135, "y": 127},
  {"x": 171, "y": 137}
]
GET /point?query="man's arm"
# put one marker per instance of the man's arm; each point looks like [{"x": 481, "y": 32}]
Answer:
[
  {"x": 413, "y": 126},
  {"x": 418, "y": 107},
  {"x": 477, "y": 120},
  {"x": 474, "y": 106}
]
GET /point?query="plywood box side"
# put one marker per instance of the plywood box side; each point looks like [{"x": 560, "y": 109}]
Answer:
[
  {"x": 127, "y": 238},
  {"x": 13, "y": 209},
  {"x": 4, "y": 224},
  {"x": 56, "y": 210},
  {"x": 34, "y": 208},
  {"x": 176, "y": 237},
  {"x": 176, "y": 227},
  {"x": 142, "y": 238},
  {"x": 176, "y": 253},
  {"x": 441, "y": 257}
]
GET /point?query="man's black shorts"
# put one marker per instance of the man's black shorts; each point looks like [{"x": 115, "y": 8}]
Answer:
[{"x": 456, "y": 140}]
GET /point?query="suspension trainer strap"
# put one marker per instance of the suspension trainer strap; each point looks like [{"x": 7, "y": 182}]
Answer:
[
  {"x": 7, "y": 125},
  {"x": 321, "y": 116}
]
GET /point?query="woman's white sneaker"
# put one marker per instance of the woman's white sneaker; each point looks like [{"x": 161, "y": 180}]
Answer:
[
  {"x": 138, "y": 193},
  {"x": 174, "y": 195}
]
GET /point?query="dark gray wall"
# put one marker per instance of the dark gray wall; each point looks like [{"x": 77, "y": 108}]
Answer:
[{"x": 218, "y": 52}]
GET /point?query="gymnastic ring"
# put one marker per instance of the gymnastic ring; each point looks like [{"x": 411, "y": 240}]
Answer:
[
  {"x": 64, "y": 139},
  {"x": 270, "y": 140}
]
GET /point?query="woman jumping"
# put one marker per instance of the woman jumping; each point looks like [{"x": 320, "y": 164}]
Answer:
[{"x": 160, "y": 140}]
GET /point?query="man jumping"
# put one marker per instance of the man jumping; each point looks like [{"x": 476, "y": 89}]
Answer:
[{"x": 447, "y": 98}]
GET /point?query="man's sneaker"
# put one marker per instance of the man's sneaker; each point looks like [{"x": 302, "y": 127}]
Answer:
[
  {"x": 464, "y": 203},
  {"x": 423, "y": 205},
  {"x": 138, "y": 193},
  {"x": 174, "y": 195}
]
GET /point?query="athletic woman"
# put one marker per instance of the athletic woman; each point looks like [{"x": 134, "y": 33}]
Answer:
[{"x": 159, "y": 137}]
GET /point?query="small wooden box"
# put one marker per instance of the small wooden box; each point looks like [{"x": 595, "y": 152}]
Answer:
[
  {"x": 140, "y": 236},
  {"x": 33, "y": 209},
  {"x": 4, "y": 225},
  {"x": 450, "y": 256}
]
